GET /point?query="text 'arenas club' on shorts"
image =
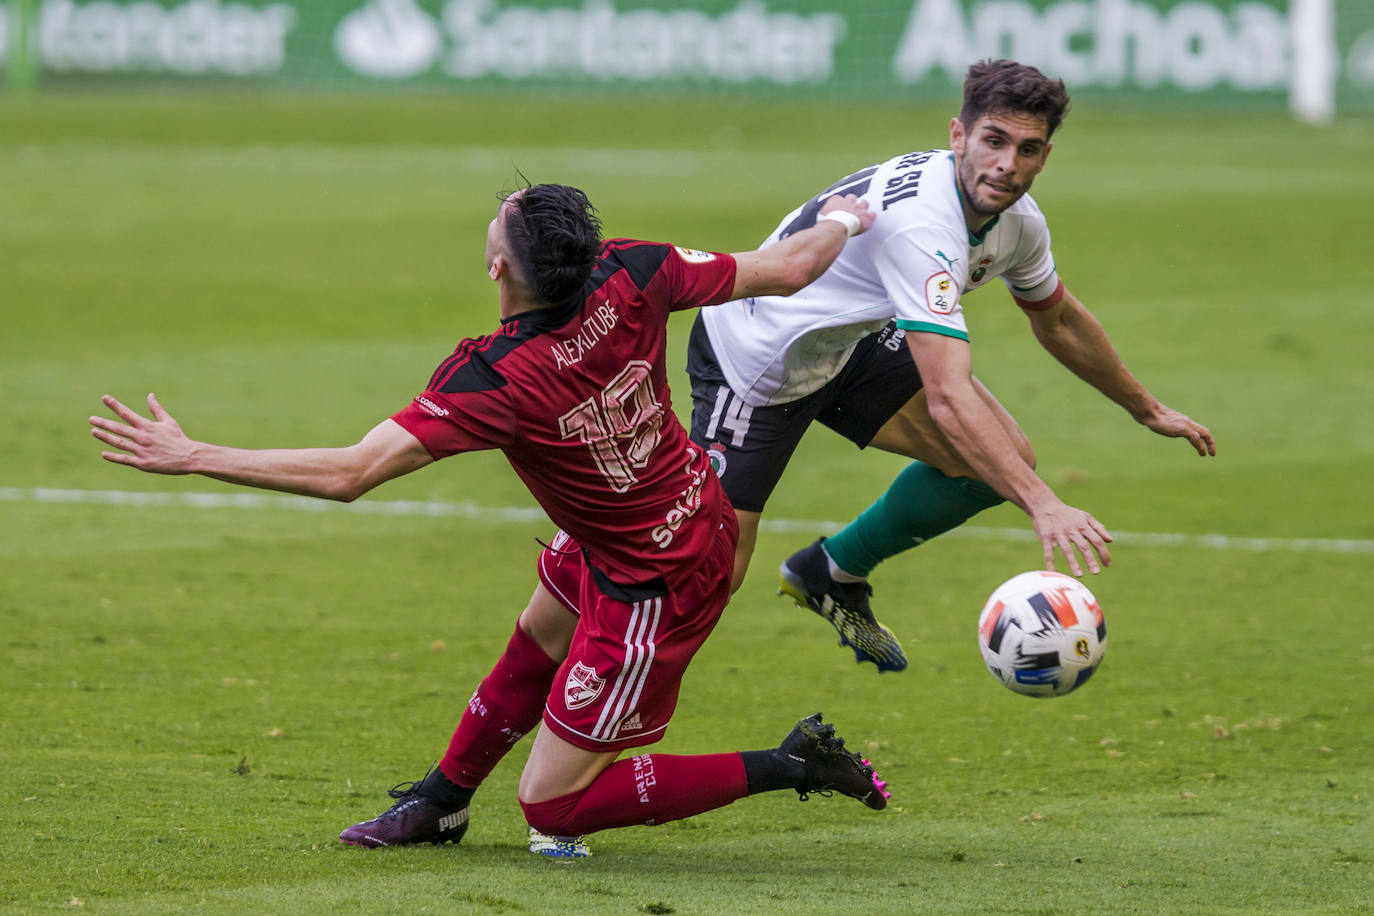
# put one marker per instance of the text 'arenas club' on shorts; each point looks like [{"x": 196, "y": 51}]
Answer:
[
  {"x": 618, "y": 686},
  {"x": 750, "y": 446}
]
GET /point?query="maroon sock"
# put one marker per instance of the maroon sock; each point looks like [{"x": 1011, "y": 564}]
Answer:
[
  {"x": 648, "y": 789},
  {"x": 505, "y": 706}
]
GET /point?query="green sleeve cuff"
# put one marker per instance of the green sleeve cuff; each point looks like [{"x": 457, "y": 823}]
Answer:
[{"x": 932, "y": 329}]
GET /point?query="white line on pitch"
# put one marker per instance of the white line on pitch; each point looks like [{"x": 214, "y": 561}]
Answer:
[{"x": 474, "y": 512}]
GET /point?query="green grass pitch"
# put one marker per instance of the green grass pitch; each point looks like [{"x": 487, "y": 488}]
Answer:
[{"x": 197, "y": 698}]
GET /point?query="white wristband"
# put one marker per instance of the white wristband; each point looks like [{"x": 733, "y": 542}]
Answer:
[{"x": 848, "y": 220}]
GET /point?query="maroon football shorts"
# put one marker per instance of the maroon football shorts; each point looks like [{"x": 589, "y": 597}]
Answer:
[
  {"x": 561, "y": 570},
  {"x": 618, "y": 686}
]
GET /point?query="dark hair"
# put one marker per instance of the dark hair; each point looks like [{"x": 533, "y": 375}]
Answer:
[
  {"x": 1001, "y": 86},
  {"x": 554, "y": 236}
]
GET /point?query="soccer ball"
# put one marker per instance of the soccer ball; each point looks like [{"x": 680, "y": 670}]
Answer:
[{"x": 1042, "y": 634}]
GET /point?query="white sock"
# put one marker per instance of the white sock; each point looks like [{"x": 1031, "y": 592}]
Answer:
[{"x": 838, "y": 574}]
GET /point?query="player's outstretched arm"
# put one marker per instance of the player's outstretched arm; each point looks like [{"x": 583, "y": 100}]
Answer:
[
  {"x": 157, "y": 445},
  {"x": 796, "y": 261},
  {"x": 1075, "y": 337},
  {"x": 972, "y": 428}
]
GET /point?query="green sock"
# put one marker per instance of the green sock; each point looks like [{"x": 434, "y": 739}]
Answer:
[{"x": 920, "y": 503}]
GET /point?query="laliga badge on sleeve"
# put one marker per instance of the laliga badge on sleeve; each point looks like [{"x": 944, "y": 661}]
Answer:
[
  {"x": 691, "y": 255},
  {"x": 941, "y": 293}
]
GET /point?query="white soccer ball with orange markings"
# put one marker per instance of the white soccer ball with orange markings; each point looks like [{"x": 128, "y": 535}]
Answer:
[{"x": 1042, "y": 634}]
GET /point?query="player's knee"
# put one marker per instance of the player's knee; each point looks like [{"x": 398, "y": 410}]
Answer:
[
  {"x": 555, "y": 817},
  {"x": 1024, "y": 447}
]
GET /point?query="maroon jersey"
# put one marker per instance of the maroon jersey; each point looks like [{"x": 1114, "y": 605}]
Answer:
[{"x": 577, "y": 398}]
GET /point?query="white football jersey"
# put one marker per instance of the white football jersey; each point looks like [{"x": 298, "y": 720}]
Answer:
[{"x": 914, "y": 265}]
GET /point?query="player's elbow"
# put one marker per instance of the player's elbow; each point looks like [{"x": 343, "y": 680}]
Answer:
[
  {"x": 805, "y": 271},
  {"x": 1051, "y": 334},
  {"x": 346, "y": 488},
  {"x": 941, "y": 402},
  {"x": 949, "y": 405},
  {"x": 351, "y": 472},
  {"x": 796, "y": 273},
  {"x": 942, "y": 412},
  {"x": 338, "y": 493}
]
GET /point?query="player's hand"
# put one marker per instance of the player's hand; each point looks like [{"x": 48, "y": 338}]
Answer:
[
  {"x": 851, "y": 203},
  {"x": 1073, "y": 532},
  {"x": 155, "y": 445},
  {"x": 1169, "y": 422}
]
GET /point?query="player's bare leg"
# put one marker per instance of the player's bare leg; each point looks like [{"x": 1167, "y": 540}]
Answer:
[
  {"x": 548, "y": 623},
  {"x": 557, "y": 767},
  {"x": 933, "y": 494},
  {"x": 748, "y": 537}
]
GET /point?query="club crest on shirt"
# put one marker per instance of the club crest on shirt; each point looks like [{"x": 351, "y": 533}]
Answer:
[
  {"x": 582, "y": 686},
  {"x": 693, "y": 256},
  {"x": 941, "y": 293}
]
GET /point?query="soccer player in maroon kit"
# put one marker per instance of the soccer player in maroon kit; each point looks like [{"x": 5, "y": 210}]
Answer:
[{"x": 573, "y": 389}]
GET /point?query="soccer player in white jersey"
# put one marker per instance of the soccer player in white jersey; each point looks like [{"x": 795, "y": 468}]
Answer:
[{"x": 878, "y": 350}]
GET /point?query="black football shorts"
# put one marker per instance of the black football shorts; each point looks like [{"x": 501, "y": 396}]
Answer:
[{"x": 750, "y": 446}]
